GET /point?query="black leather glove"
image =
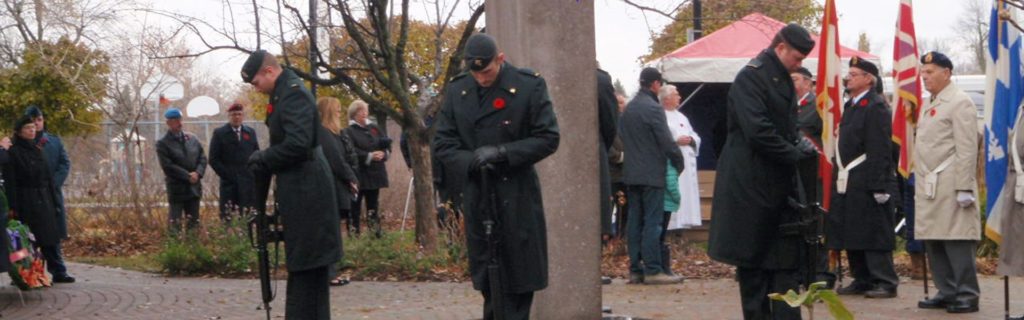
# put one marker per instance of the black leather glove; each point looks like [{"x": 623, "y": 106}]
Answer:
[
  {"x": 806, "y": 146},
  {"x": 487, "y": 155},
  {"x": 255, "y": 163}
]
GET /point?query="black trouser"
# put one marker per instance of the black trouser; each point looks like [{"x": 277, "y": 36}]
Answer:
[
  {"x": 371, "y": 198},
  {"x": 308, "y": 296},
  {"x": 54, "y": 260},
  {"x": 756, "y": 284},
  {"x": 666, "y": 253},
  {"x": 516, "y": 305},
  {"x": 191, "y": 211},
  {"x": 872, "y": 269}
]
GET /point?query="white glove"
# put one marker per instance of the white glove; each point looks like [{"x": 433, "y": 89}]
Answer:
[
  {"x": 881, "y": 198},
  {"x": 964, "y": 198}
]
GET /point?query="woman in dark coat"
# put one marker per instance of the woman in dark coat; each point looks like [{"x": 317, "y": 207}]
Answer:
[
  {"x": 337, "y": 150},
  {"x": 32, "y": 194},
  {"x": 372, "y": 148}
]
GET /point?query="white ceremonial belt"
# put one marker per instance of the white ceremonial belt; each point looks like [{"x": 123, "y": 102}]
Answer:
[
  {"x": 931, "y": 179},
  {"x": 844, "y": 172}
]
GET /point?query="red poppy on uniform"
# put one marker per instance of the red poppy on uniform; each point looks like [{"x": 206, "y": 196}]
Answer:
[
  {"x": 270, "y": 109},
  {"x": 373, "y": 131},
  {"x": 246, "y": 137},
  {"x": 931, "y": 112},
  {"x": 499, "y": 104},
  {"x": 863, "y": 102}
]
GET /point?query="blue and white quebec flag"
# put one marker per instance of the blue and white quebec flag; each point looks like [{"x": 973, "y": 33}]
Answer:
[{"x": 1002, "y": 100}]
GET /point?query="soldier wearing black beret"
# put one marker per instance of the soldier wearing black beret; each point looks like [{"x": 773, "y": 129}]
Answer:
[
  {"x": 756, "y": 174},
  {"x": 500, "y": 116},
  {"x": 860, "y": 218},
  {"x": 305, "y": 188}
]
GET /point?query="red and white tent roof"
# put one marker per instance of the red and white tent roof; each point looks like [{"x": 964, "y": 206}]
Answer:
[{"x": 718, "y": 56}]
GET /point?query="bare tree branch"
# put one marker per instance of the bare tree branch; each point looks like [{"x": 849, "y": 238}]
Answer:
[{"x": 668, "y": 14}]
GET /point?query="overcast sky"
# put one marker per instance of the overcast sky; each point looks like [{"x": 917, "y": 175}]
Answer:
[{"x": 624, "y": 33}]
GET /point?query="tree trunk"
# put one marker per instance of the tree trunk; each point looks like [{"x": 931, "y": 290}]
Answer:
[{"x": 423, "y": 187}]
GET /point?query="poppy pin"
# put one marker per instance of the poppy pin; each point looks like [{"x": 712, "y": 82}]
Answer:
[
  {"x": 931, "y": 112},
  {"x": 270, "y": 109},
  {"x": 499, "y": 104},
  {"x": 246, "y": 137},
  {"x": 864, "y": 102},
  {"x": 373, "y": 131}
]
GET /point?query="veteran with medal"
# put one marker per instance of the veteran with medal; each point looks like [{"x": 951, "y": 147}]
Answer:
[{"x": 945, "y": 167}]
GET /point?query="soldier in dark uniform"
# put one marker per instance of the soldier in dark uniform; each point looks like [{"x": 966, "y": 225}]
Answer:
[
  {"x": 860, "y": 219},
  {"x": 500, "y": 116},
  {"x": 756, "y": 175},
  {"x": 184, "y": 164},
  {"x": 305, "y": 193},
  {"x": 230, "y": 147}
]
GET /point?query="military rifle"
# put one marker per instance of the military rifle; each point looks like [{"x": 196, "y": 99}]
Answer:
[
  {"x": 490, "y": 217},
  {"x": 264, "y": 228},
  {"x": 809, "y": 227}
]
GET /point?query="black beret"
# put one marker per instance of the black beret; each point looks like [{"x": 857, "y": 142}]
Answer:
[
  {"x": 867, "y": 66},
  {"x": 33, "y": 111},
  {"x": 21, "y": 122},
  {"x": 797, "y": 37},
  {"x": 937, "y": 58},
  {"x": 648, "y": 75},
  {"x": 806, "y": 73},
  {"x": 252, "y": 65},
  {"x": 480, "y": 50}
]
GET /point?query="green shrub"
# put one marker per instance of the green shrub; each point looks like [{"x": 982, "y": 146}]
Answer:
[
  {"x": 396, "y": 256},
  {"x": 217, "y": 249}
]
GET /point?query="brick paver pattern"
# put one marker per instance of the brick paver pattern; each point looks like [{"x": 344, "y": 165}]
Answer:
[{"x": 108, "y": 293}]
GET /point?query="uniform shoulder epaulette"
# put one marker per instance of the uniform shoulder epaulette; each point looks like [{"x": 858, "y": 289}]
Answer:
[
  {"x": 530, "y": 72},
  {"x": 754, "y": 63},
  {"x": 458, "y": 76}
]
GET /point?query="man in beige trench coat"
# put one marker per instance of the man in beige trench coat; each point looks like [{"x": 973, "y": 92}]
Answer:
[{"x": 945, "y": 162}]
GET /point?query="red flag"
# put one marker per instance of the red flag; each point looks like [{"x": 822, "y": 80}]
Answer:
[
  {"x": 908, "y": 86},
  {"x": 164, "y": 102},
  {"x": 829, "y": 103}
]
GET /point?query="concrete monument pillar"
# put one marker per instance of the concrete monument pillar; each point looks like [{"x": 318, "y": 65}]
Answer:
[{"x": 556, "y": 38}]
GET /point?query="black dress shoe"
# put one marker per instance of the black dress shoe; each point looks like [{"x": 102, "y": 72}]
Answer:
[
  {"x": 64, "y": 279},
  {"x": 880, "y": 293},
  {"x": 962, "y": 307},
  {"x": 853, "y": 289},
  {"x": 932, "y": 303}
]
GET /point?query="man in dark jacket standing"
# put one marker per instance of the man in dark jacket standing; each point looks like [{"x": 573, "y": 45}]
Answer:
[
  {"x": 500, "y": 117},
  {"x": 230, "y": 147},
  {"x": 860, "y": 219},
  {"x": 649, "y": 147},
  {"x": 305, "y": 193},
  {"x": 756, "y": 174},
  {"x": 60, "y": 166},
  {"x": 183, "y": 162},
  {"x": 607, "y": 115}
]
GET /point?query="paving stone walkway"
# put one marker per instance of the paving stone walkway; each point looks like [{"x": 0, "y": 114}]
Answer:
[{"x": 107, "y": 293}]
